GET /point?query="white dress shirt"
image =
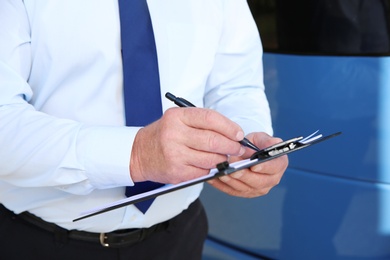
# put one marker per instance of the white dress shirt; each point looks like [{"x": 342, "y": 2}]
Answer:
[{"x": 64, "y": 147}]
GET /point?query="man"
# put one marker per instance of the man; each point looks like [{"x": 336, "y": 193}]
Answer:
[{"x": 65, "y": 147}]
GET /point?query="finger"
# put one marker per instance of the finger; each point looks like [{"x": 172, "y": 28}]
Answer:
[
  {"x": 186, "y": 163},
  {"x": 204, "y": 160},
  {"x": 211, "y": 120},
  {"x": 237, "y": 188},
  {"x": 230, "y": 186},
  {"x": 257, "y": 185},
  {"x": 259, "y": 180},
  {"x": 210, "y": 141},
  {"x": 263, "y": 140},
  {"x": 277, "y": 165}
]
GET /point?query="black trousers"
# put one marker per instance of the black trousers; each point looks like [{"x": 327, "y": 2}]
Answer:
[{"x": 183, "y": 239}]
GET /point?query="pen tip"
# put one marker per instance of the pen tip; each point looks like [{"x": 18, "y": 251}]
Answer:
[{"x": 247, "y": 143}]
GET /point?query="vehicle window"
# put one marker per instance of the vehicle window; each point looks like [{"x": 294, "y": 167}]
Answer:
[{"x": 335, "y": 27}]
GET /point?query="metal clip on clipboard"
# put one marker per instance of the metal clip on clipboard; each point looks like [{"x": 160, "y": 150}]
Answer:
[{"x": 273, "y": 152}]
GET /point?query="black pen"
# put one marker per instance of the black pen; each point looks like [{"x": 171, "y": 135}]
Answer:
[{"x": 181, "y": 102}]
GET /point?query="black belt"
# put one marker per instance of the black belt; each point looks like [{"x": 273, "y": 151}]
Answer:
[{"x": 115, "y": 239}]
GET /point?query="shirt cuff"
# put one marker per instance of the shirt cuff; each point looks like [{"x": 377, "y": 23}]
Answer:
[{"x": 105, "y": 153}]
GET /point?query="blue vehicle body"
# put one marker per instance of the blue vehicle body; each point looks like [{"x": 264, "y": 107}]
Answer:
[
  {"x": 327, "y": 68},
  {"x": 334, "y": 199}
]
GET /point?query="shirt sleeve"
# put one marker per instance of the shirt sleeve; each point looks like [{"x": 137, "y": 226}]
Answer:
[
  {"x": 39, "y": 150},
  {"x": 235, "y": 86}
]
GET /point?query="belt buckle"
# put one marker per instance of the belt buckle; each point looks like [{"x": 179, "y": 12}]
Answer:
[
  {"x": 121, "y": 241},
  {"x": 102, "y": 239},
  {"x": 124, "y": 239}
]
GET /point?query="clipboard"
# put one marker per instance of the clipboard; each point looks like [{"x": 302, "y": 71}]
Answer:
[{"x": 224, "y": 168}]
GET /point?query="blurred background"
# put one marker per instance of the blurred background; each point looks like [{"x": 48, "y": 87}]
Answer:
[{"x": 327, "y": 68}]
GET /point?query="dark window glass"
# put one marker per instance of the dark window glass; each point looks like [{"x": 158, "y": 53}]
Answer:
[{"x": 335, "y": 27}]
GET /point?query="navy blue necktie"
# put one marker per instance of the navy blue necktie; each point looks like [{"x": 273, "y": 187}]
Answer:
[{"x": 140, "y": 76}]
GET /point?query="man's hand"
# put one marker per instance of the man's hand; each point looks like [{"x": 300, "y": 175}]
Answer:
[
  {"x": 259, "y": 179},
  {"x": 184, "y": 144}
]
